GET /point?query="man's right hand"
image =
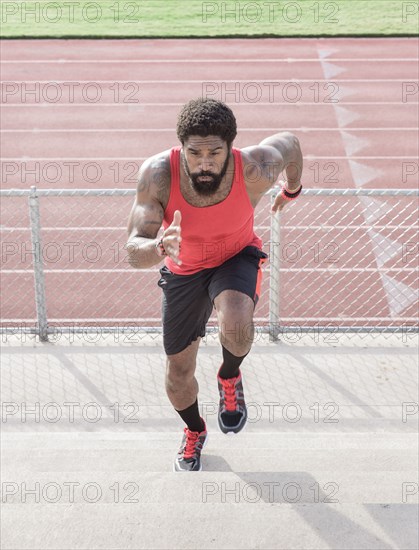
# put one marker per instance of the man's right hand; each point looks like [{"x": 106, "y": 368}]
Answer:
[{"x": 171, "y": 238}]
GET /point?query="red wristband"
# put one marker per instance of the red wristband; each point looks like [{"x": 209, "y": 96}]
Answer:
[{"x": 287, "y": 195}]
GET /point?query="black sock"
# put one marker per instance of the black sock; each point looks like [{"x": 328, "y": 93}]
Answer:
[
  {"x": 231, "y": 364},
  {"x": 191, "y": 417}
]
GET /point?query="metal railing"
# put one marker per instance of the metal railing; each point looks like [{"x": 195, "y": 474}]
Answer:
[{"x": 339, "y": 260}]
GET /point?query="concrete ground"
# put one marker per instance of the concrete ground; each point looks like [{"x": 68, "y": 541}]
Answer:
[{"x": 328, "y": 459}]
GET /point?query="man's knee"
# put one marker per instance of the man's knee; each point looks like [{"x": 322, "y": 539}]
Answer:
[
  {"x": 238, "y": 337},
  {"x": 237, "y": 332},
  {"x": 181, "y": 370},
  {"x": 235, "y": 321},
  {"x": 180, "y": 367},
  {"x": 178, "y": 376}
]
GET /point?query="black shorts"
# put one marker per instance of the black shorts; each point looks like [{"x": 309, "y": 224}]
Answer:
[{"x": 188, "y": 300}]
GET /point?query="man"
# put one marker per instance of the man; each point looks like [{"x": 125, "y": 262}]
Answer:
[{"x": 204, "y": 194}]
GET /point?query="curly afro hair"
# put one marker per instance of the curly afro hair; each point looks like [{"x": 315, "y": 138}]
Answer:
[{"x": 206, "y": 117}]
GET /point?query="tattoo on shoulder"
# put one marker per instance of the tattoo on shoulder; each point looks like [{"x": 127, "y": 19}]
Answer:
[
  {"x": 157, "y": 180},
  {"x": 161, "y": 175}
]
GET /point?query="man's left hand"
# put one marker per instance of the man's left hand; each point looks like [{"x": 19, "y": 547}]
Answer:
[{"x": 280, "y": 200}]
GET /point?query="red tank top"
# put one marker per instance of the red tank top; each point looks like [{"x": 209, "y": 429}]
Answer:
[{"x": 211, "y": 234}]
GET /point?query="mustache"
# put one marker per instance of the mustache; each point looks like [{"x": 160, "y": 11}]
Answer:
[{"x": 204, "y": 175}]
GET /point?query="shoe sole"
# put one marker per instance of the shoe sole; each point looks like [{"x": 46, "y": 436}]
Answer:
[
  {"x": 200, "y": 466},
  {"x": 232, "y": 432}
]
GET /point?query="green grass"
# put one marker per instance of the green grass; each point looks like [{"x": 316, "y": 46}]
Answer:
[{"x": 192, "y": 18}]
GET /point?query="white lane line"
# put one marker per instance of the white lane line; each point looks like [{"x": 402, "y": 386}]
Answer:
[
  {"x": 81, "y": 228},
  {"x": 157, "y": 319},
  {"x": 244, "y": 81},
  {"x": 315, "y": 157},
  {"x": 130, "y": 105},
  {"x": 116, "y": 270},
  {"x": 292, "y": 228},
  {"x": 195, "y": 61},
  {"x": 266, "y": 269},
  {"x": 339, "y": 319},
  {"x": 307, "y": 157},
  {"x": 295, "y": 229},
  {"x": 133, "y": 130}
]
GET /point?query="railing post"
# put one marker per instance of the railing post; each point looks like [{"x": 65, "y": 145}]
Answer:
[
  {"x": 38, "y": 267},
  {"x": 274, "y": 288}
]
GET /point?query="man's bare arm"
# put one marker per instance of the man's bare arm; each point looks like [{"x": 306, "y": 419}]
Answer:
[
  {"x": 288, "y": 147},
  {"x": 146, "y": 216},
  {"x": 272, "y": 156}
]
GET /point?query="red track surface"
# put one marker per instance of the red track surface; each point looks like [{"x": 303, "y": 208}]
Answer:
[{"x": 81, "y": 113}]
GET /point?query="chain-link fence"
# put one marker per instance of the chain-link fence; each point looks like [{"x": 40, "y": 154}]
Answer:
[{"x": 339, "y": 260}]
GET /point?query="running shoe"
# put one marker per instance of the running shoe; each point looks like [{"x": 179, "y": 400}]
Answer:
[
  {"x": 188, "y": 458},
  {"x": 232, "y": 412}
]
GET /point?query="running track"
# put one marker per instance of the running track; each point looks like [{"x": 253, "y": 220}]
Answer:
[{"x": 85, "y": 114}]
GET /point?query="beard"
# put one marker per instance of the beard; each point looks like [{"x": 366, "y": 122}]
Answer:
[{"x": 211, "y": 183}]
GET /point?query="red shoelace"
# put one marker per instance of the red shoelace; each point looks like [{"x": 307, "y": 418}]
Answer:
[
  {"x": 229, "y": 388},
  {"x": 191, "y": 439}
]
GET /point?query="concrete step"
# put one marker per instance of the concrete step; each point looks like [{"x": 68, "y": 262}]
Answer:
[
  {"x": 287, "y": 487},
  {"x": 154, "y": 452},
  {"x": 247, "y": 526},
  {"x": 244, "y": 439},
  {"x": 262, "y": 491},
  {"x": 373, "y": 468}
]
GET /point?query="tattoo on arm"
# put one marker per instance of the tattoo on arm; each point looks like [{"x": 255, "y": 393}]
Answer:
[
  {"x": 153, "y": 188},
  {"x": 268, "y": 168},
  {"x": 159, "y": 176}
]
